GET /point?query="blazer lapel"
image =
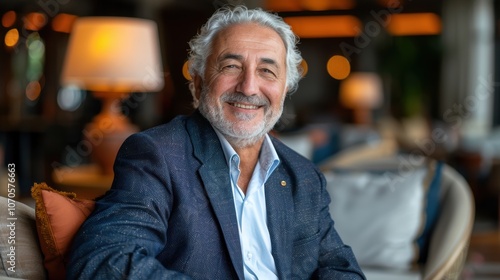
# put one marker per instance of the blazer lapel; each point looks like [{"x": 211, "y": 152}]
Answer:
[
  {"x": 219, "y": 192},
  {"x": 279, "y": 220},
  {"x": 215, "y": 177}
]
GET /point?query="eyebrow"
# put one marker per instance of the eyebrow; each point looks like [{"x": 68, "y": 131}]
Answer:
[
  {"x": 232, "y": 56},
  {"x": 240, "y": 58}
]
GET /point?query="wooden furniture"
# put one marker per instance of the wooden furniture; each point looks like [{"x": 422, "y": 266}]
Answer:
[{"x": 87, "y": 181}]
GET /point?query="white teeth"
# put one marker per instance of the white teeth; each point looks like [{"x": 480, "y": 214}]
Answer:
[{"x": 243, "y": 106}]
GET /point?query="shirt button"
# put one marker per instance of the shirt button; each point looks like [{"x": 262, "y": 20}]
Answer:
[{"x": 249, "y": 256}]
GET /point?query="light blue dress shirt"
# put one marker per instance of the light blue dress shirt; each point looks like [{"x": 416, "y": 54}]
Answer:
[{"x": 255, "y": 241}]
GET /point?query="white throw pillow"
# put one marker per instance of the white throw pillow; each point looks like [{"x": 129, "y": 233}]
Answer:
[{"x": 379, "y": 213}]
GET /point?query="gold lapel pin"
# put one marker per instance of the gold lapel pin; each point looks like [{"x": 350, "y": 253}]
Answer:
[{"x": 283, "y": 183}]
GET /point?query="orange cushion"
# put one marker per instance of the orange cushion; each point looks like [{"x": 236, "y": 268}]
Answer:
[{"x": 59, "y": 215}]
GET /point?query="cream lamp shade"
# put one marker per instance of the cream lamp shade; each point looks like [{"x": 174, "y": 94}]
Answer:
[
  {"x": 112, "y": 57},
  {"x": 362, "y": 92},
  {"x": 114, "y": 54}
]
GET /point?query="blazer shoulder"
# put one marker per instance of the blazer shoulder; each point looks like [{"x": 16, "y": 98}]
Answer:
[
  {"x": 176, "y": 126},
  {"x": 161, "y": 137},
  {"x": 171, "y": 132}
]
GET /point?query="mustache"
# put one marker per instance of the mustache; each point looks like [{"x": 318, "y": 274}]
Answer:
[{"x": 237, "y": 97}]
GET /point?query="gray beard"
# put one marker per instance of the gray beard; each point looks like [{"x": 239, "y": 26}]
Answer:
[{"x": 238, "y": 136}]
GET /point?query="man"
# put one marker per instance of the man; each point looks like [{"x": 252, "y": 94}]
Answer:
[{"x": 212, "y": 196}]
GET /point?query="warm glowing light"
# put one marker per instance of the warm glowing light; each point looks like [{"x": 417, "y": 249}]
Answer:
[
  {"x": 33, "y": 90},
  {"x": 338, "y": 67},
  {"x": 34, "y": 21},
  {"x": 361, "y": 92},
  {"x": 102, "y": 41},
  {"x": 304, "y": 66},
  {"x": 11, "y": 38},
  {"x": 113, "y": 54},
  {"x": 312, "y": 5},
  {"x": 8, "y": 19},
  {"x": 282, "y": 6},
  {"x": 324, "y": 26},
  {"x": 414, "y": 24},
  {"x": 361, "y": 89},
  {"x": 63, "y": 23},
  {"x": 321, "y": 5},
  {"x": 100, "y": 44},
  {"x": 185, "y": 71}
]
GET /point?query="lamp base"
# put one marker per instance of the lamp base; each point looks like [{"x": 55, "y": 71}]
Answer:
[
  {"x": 107, "y": 132},
  {"x": 362, "y": 116},
  {"x": 104, "y": 152}
]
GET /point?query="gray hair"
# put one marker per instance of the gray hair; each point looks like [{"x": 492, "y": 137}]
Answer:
[{"x": 201, "y": 44}]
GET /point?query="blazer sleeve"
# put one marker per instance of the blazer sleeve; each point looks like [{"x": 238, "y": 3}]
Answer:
[
  {"x": 127, "y": 229},
  {"x": 336, "y": 259}
]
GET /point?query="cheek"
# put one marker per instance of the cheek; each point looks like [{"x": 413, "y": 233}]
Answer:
[
  {"x": 221, "y": 85},
  {"x": 214, "y": 90},
  {"x": 278, "y": 98}
]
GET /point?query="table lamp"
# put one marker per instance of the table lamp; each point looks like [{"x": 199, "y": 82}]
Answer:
[
  {"x": 112, "y": 57},
  {"x": 362, "y": 92}
]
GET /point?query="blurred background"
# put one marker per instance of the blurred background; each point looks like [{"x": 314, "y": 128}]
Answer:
[{"x": 420, "y": 73}]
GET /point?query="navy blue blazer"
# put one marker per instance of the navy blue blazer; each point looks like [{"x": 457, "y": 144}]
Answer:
[{"x": 170, "y": 214}]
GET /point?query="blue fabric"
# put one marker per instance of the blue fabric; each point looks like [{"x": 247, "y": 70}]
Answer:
[
  {"x": 431, "y": 211},
  {"x": 331, "y": 147},
  {"x": 170, "y": 214}
]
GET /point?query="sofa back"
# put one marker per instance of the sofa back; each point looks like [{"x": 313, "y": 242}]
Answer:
[{"x": 19, "y": 248}]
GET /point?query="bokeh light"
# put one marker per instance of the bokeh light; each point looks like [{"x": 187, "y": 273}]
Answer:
[
  {"x": 33, "y": 90},
  {"x": 70, "y": 98},
  {"x": 185, "y": 71},
  {"x": 11, "y": 38},
  {"x": 338, "y": 67},
  {"x": 63, "y": 23},
  {"x": 8, "y": 19},
  {"x": 34, "y": 21}
]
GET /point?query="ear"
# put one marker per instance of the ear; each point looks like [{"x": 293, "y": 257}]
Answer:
[
  {"x": 198, "y": 84},
  {"x": 195, "y": 86}
]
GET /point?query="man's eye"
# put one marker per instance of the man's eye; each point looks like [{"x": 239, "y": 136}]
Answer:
[
  {"x": 267, "y": 71},
  {"x": 232, "y": 66},
  {"x": 230, "y": 69}
]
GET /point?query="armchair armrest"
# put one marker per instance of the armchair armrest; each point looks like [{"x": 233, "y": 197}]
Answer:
[{"x": 449, "y": 242}]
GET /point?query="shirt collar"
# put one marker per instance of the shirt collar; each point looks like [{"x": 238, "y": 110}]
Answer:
[{"x": 268, "y": 157}]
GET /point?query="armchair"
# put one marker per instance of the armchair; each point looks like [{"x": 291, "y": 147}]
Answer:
[{"x": 449, "y": 237}]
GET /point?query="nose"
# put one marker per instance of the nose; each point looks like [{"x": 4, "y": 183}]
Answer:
[{"x": 248, "y": 83}]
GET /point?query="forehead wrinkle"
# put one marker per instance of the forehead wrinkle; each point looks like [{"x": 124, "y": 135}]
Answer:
[{"x": 231, "y": 56}]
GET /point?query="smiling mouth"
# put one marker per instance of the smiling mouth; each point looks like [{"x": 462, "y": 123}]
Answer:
[{"x": 244, "y": 106}]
